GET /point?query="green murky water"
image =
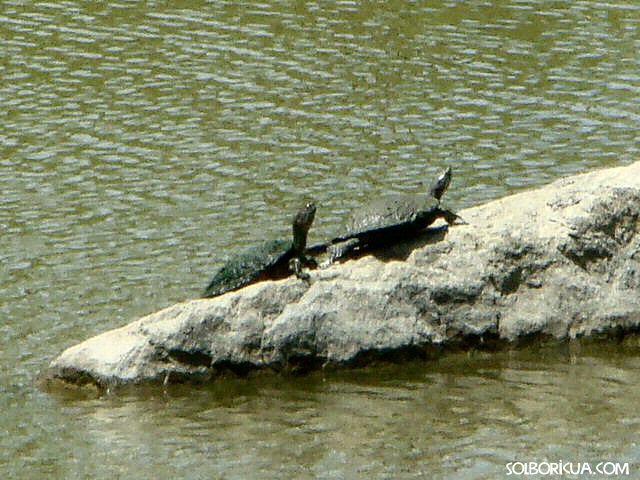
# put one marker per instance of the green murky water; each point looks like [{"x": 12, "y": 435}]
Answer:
[{"x": 140, "y": 144}]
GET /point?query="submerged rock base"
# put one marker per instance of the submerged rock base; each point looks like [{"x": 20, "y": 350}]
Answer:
[{"x": 561, "y": 262}]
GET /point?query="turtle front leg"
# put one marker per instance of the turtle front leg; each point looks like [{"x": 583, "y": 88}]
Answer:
[
  {"x": 295, "y": 265},
  {"x": 453, "y": 218}
]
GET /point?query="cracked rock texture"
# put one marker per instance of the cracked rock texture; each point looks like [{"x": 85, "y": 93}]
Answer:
[{"x": 561, "y": 261}]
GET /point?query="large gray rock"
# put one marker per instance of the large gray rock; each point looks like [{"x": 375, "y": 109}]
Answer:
[{"x": 562, "y": 261}]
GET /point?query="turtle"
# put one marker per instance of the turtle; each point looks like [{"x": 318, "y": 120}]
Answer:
[
  {"x": 273, "y": 259},
  {"x": 390, "y": 219}
]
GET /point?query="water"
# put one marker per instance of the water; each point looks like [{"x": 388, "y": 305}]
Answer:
[{"x": 141, "y": 144}]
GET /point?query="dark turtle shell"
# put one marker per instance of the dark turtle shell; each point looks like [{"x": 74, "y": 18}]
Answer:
[
  {"x": 269, "y": 260},
  {"x": 391, "y": 219},
  {"x": 387, "y": 212},
  {"x": 400, "y": 212},
  {"x": 388, "y": 220}
]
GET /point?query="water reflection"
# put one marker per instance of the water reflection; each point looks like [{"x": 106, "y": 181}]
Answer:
[{"x": 463, "y": 416}]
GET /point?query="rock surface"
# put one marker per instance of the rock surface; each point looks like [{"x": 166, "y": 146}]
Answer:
[{"x": 562, "y": 261}]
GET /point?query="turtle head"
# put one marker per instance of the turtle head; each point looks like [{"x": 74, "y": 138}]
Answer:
[
  {"x": 439, "y": 186},
  {"x": 301, "y": 224}
]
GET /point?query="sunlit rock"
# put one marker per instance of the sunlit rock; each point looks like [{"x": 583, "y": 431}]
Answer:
[{"x": 559, "y": 262}]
